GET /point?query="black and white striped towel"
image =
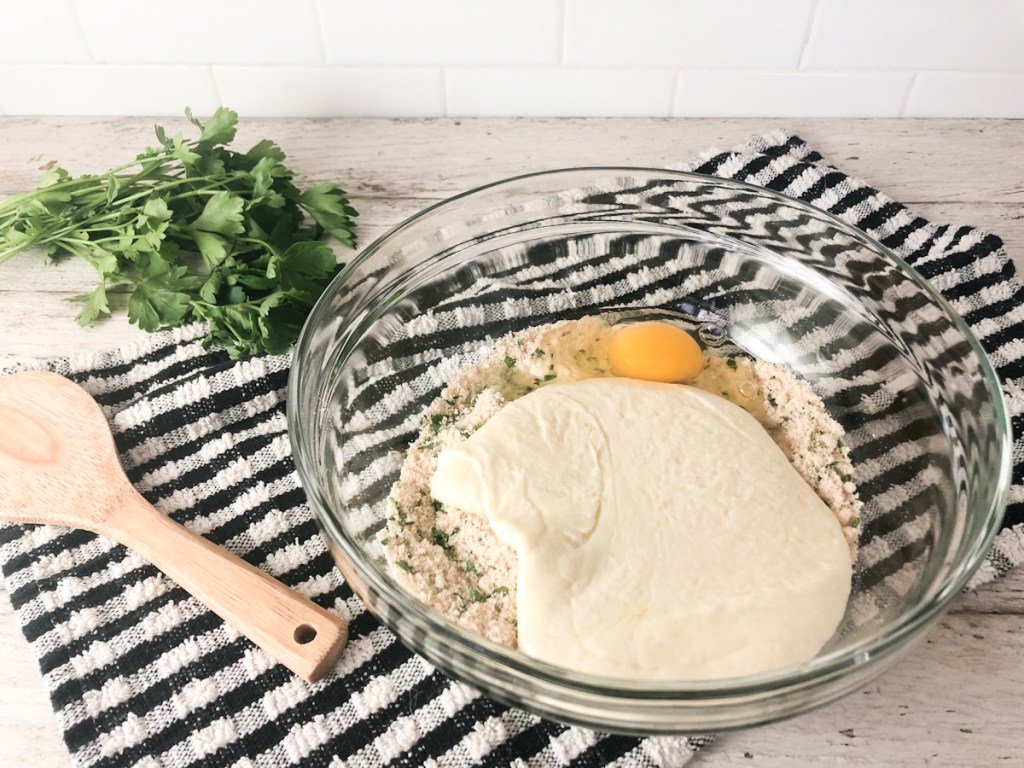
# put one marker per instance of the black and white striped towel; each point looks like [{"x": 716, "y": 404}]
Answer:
[{"x": 141, "y": 674}]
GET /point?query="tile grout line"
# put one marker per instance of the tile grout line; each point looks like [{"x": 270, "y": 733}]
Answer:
[
  {"x": 907, "y": 95},
  {"x": 81, "y": 30},
  {"x": 321, "y": 41},
  {"x": 815, "y": 4},
  {"x": 561, "y": 33},
  {"x": 446, "y": 111},
  {"x": 216, "y": 85}
]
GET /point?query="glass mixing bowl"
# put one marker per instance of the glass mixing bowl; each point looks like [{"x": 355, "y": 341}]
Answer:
[{"x": 747, "y": 270}]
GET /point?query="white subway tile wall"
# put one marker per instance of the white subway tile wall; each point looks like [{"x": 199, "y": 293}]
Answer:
[
  {"x": 332, "y": 91},
  {"x": 971, "y": 35},
  {"x": 43, "y": 31},
  {"x": 442, "y": 32},
  {"x": 93, "y": 89},
  {"x": 566, "y": 92},
  {"x": 409, "y": 58},
  {"x": 729, "y": 34},
  {"x": 201, "y": 31},
  {"x": 787, "y": 94},
  {"x": 966, "y": 94}
]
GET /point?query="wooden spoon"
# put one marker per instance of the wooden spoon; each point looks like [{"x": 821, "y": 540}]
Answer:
[{"x": 59, "y": 465}]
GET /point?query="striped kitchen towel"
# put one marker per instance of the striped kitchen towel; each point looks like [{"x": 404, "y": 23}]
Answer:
[{"x": 141, "y": 674}]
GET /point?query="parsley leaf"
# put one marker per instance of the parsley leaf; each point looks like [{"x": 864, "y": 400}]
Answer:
[
  {"x": 162, "y": 296},
  {"x": 304, "y": 270},
  {"x": 219, "y": 129},
  {"x": 330, "y": 209},
  {"x": 95, "y": 304},
  {"x": 221, "y": 215}
]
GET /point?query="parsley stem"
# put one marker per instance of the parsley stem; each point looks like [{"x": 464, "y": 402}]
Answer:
[
  {"x": 88, "y": 224},
  {"x": 257, "y": 241}
]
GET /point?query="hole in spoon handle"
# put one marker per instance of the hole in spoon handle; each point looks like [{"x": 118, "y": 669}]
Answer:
[{"x": 304, "y": 633}]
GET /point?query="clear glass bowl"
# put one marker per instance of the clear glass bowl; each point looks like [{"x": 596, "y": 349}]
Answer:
[{"x": 744, "y": 267}]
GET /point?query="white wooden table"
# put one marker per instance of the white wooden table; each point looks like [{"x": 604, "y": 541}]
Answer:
[{"x": 955, "y": 700}]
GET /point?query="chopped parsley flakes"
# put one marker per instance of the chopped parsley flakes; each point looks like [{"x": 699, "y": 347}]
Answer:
[{"x": 476, "y": 595}]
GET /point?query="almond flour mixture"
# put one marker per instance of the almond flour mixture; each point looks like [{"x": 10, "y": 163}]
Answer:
[{"x": 452, "y": 560}]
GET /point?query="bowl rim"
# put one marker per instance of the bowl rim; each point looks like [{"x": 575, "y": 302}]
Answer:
[{"x": 821, "y": 667}]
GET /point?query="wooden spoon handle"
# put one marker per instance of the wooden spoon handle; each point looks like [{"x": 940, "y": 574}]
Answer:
[{"x": 295, "y": 631}]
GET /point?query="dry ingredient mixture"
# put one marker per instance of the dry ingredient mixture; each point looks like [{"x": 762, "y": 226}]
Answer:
[{"x": 453, "y": 561}]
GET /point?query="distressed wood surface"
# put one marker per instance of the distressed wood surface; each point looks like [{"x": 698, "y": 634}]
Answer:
[{"x": 953, "y": 700}]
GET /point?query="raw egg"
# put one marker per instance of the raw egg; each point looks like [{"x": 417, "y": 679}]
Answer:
[{"x": 655, "y": 351}]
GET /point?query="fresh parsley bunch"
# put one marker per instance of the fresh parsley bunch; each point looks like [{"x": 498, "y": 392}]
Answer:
[{"x": 195, "y": 231}]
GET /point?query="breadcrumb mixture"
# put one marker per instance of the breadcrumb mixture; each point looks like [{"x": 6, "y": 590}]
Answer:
[{"x": 452, "y": 561}]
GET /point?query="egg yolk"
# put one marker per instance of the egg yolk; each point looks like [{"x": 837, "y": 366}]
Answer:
[{"x": 655, "y": 351}]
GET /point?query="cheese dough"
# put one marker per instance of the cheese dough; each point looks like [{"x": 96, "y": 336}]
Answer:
[{"x": 660, "y": 532}]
